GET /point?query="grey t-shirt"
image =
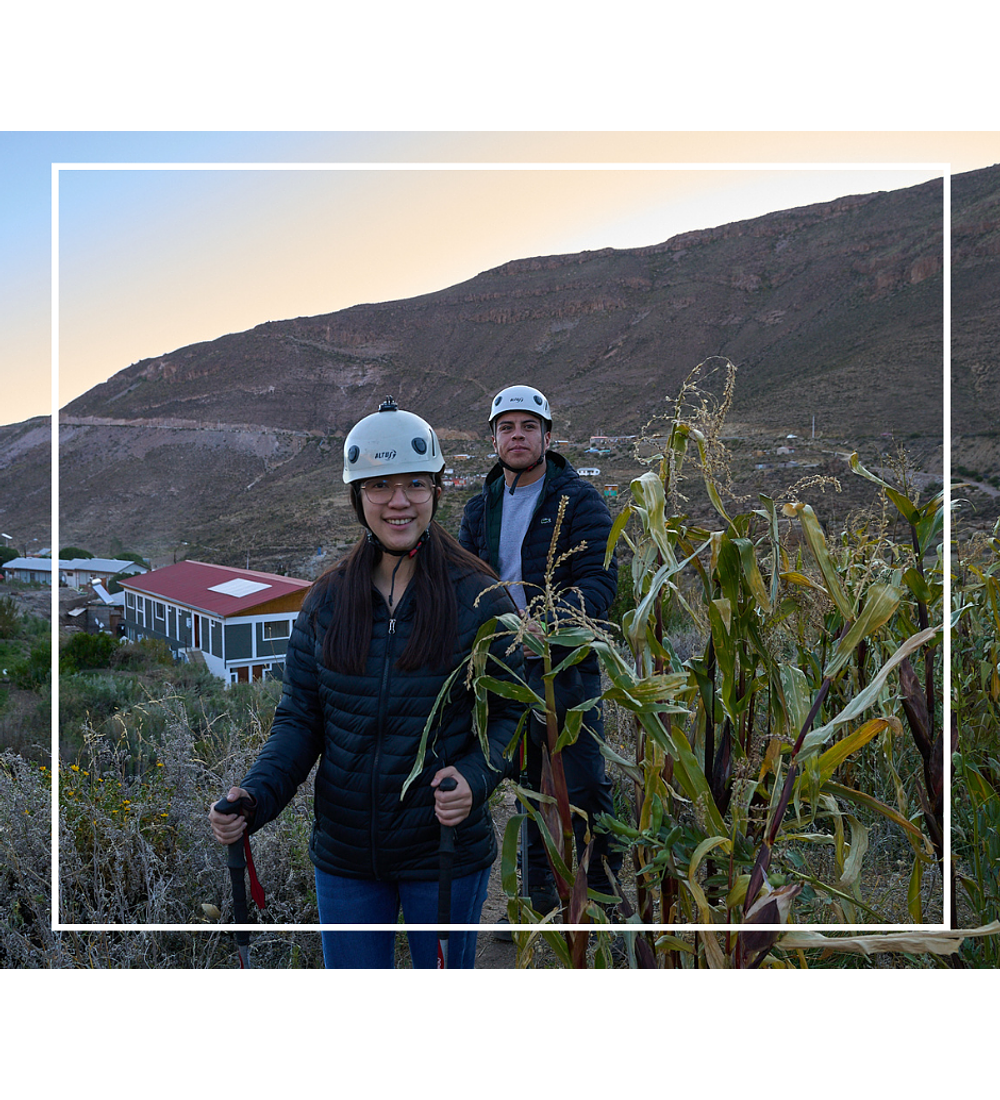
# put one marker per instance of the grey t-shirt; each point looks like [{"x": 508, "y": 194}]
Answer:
[{"x": 518, "y": 509}]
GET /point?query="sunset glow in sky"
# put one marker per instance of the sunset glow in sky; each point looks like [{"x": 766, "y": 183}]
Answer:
[{"x": 154, "y": 258}]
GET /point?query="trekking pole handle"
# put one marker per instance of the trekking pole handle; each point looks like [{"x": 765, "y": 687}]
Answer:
[
  {"x": 234, "y": 852},
  {"x": 240, "y": 806},
  {"x": 449, "y": 783}
]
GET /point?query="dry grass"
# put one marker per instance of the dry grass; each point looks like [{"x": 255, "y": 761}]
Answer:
[{"x": 135, "y": 849}]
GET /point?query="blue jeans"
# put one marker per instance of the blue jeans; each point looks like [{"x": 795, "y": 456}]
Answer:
[{"x": 365, "y": 901}]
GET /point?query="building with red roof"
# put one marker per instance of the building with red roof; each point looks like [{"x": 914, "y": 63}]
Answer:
[{"x": 237, "y": 620}]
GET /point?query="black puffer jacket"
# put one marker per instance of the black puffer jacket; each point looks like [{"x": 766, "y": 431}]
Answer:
[
  {"x": 366, "y": 732},
  {"x": 586, "y": 520}
]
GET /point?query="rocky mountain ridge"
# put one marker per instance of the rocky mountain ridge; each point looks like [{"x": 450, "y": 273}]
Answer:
[{"x": 832, "y": 311}]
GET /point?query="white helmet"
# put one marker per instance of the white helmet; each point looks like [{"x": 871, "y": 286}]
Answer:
[
  {"x": 391, "y": 441},
  {"x": 521, "y": 399}
]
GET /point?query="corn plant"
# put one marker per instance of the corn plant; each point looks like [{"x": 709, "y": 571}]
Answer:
[
  {"x": 742, "y": 768},
  {"x": 804, "y": 641},
  {"x": 976, "y": 755},
  {"x": 751, "y": 758},
  {"x": 560, "y": 635}
]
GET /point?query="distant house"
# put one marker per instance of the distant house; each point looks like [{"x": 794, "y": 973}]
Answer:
[
  {"x": 75, "y": 573},
  {"x": 81, "y": 571},
  {"x": 30, "y": 570},
  {"x": 237, "y": 620}
]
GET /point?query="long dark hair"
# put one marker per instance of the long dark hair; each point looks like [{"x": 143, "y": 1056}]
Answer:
[{"x": 435, "y": 624}]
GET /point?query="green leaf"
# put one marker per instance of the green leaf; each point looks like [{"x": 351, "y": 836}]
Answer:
[
  {"x": 508, "y": 689},
  {"x": 573, "y": 658},
  {"x": 751, "y": 570},
  {"x": 797, "y": 695},
  {"x": 616, "y": 529},
  {"x": 921, "y": 590},
  {"x": 849, "y": 794},
  {"x": 931, "y": 522},
  {"x": 914, "y": 903},
  {"x": 834, "y": 756},
  {"x": 906, "y": 508},
  {"x": 648, "y": 490},
  {"x": 881, "y": 602},
  {"x": 571, "y": 728},
  {"x": 688, "y": 772},
  {"x": 771, "y": 514},
  {"x": 817, "y": 544},
  {"x": 867, "y": 697},
  {"x": 508, "y": 855},
  {"x": 571, "y": 636},
  {"x": 713, "y": 493}
]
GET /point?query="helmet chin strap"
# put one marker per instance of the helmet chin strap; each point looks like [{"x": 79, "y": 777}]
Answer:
[
  {"x": 519, "y": 473},
  {"x": 373, "y": 540},
  {"x": 401, "y": 554}
]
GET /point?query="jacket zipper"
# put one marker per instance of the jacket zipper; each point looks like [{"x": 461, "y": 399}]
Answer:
[{"x": 383, "y": 707}]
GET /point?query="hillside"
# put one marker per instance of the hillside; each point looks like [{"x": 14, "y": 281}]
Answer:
[
  {"x": 832, "y": 311},
  {"x": 844, "y": 298},
  {"x": 975, "y": 375}
]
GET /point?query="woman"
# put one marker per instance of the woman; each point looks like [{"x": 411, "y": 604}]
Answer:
[{"x": 378, "y": 635}]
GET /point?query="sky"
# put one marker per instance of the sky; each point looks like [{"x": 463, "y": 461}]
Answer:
[{"x": 155, "y": 252}]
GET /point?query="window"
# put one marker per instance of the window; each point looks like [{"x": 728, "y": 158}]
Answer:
[
  {"x": 276, "y": 630},
  {"x": 158, "y": 611}
]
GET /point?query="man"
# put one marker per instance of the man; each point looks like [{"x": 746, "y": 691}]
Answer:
[{"x": 510, "y": 526}]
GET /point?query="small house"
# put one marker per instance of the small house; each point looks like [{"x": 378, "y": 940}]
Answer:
[
  {"x": 30, "y": 570},
  {"x": 238, "y": 621},
  {"x": 81, "y": 571}
]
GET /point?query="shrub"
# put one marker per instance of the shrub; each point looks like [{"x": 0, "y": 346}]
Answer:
[
  {"x": 10, "y": 618},
  {"x": 136, "y": 849},
  {"x": 87, "y": 651},
  {"x": 34, "y": 671}
]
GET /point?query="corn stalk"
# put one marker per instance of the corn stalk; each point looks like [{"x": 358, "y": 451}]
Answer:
[{"x": 698, "y": 805}]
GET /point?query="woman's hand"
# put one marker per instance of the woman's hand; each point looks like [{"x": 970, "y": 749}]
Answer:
[
  {"x": 228, "y": 828},
  {"x": 451, "y": 807}
]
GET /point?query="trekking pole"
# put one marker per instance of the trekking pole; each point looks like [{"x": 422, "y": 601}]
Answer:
[
  {"x": 238, "y": 859},
  {"x": 447, "y": 856}
]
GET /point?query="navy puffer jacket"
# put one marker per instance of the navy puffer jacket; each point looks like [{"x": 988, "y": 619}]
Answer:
[{"x": 366, "y": 732}]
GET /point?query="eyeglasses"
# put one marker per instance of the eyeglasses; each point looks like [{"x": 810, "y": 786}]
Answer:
[{"x": 418, "y": 490}]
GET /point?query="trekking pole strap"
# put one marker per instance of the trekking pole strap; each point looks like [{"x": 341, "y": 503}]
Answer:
[{"x": 239, "y": 855}]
